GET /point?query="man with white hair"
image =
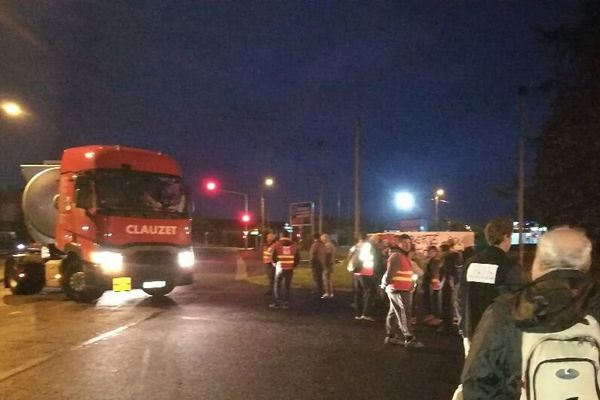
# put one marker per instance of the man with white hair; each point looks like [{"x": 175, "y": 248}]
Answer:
[{"x": 542, "y": 340}]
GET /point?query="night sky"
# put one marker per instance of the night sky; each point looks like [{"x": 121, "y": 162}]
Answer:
[{"x": 241, "y": 90}]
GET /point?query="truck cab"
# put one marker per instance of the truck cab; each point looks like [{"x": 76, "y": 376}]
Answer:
[{"x": 113, "y": 218}]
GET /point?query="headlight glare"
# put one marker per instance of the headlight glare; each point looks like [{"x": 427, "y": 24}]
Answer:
[
  {"x": 111, "y": 262},
  {"x": 186, "y": 259}
]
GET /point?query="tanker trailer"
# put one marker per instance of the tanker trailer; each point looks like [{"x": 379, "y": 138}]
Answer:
[
  {"x": 104, "y": 218},
  {"x": 32, "y": 268}
]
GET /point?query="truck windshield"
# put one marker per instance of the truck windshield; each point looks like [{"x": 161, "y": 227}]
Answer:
[{"x": 133, "y": 192}]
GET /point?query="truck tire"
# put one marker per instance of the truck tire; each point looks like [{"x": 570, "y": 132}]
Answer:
[
  {"x": 73, "y": 283},
  {"x": 159, "y": 292},
  {"x": 24, "y": 278}
]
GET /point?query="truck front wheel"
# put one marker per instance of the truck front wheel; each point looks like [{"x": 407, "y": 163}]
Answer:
[
  {"x": 74, "y": 285},
  {"x": 24, "y": 278}
]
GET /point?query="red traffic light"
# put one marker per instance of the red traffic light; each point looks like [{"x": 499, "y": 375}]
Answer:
[
  {"x": 210, "y": 186},
  {"x": 245, "y": 218}
]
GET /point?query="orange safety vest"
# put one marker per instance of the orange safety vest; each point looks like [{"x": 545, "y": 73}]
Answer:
[
  {"x": 285, "y": 254},
  {"x": 366, "y": 259},
  {"x": 402, "y": 280},
  {"x": 268, "y": 253}
]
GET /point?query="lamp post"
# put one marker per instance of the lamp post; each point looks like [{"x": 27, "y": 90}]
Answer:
[
  {"x": 437, "y": 198},
  {"x": 267, "y": 183}
]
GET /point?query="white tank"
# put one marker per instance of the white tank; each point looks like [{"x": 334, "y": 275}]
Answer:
[{"x": 39, "y": 200}]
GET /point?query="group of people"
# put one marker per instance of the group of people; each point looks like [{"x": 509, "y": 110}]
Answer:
[
  {"x": 535, "y": 340},
  {"x": 540, "y": 340},
  {"x": 406, "y": 278},
  {"x": 282, "y": 256}
]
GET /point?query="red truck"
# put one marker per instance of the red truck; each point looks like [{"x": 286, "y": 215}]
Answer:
[{"x": 104, "y": 218}]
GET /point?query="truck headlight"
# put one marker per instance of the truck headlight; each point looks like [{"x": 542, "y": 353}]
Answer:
[
  {"x": 186, "y": 259},
  {"x": 110, "y": 262}
]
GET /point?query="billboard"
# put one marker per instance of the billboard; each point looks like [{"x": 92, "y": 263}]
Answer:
[
  {"x": 302, "y": 214},
  {"x": 422, "y": 240}
]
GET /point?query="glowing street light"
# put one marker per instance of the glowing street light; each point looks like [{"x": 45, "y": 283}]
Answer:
[
  {"x": 12, "y": 109},
  {"x": 404, "y": 201},
  {"x": 268, "y": 183},
  {"x": 437, "y": 198}
]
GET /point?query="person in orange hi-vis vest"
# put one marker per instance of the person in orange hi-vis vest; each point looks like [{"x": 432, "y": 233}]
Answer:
[
  {"x": 285, "y": 257},
  {"x": 267, "y": 258},
  {"x": 398, "y": 283},
  {"x": 363, "y": 262}
]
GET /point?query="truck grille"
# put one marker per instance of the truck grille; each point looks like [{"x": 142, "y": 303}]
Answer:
[{"x": 151, "y": 257}]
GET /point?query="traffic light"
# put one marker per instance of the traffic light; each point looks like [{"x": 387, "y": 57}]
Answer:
[
  {"x": 245, "y": 218},
  {"x": 210, "y": 186}
]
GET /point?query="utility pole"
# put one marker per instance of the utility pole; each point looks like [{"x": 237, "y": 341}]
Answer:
[
  {"x": 320, "y": 143},
  {"x": 521, "y": 93},
  {"x": 357, "y": 127}
]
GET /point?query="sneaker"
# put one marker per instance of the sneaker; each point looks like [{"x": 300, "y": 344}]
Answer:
[
  {"x": 285, "y": 306},
  {"x": 367, "y": 318},
  {"x": 325, "y": 296},
  {"x": 330, "y": 295},
  {"x": 357, "y": 317},
  {"x": 413, "y": 344},
  {"x": 393, "y": 340},
  {"x": 274, "y": 305}
]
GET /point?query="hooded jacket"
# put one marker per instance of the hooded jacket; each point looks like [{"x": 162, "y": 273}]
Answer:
[{"x": 552, "y": 303}]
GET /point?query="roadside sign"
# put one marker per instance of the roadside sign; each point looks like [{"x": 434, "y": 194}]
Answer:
[{"x": 302, "y": 214}]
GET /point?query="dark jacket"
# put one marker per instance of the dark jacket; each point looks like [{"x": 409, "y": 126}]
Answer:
[
  {"x": 475, "y": 297},
  {"x": 552, "y": 303}
]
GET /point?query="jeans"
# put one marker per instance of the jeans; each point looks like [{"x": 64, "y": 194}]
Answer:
[
  {"x": 281, "y": 289},
  {"x": 364, "y": 293},
  {"x": 270, "y": 271},
  {"x": 317, "y": 274}
]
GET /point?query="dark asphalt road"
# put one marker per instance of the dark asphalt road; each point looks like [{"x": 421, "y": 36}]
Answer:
[{"x": 218, "y": 339}]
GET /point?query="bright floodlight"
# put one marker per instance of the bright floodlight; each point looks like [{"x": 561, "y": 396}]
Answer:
[
  {"x": 12, "y": 109},
  {"x": 439, "y": 192},
  {"x": 405, "y": 200},
  {"x": 269, "y": 181},
  {"x": 211, "y": 186}
]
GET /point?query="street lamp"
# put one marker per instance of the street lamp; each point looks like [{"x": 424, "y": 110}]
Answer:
[
  {"x": 12, "y": 109},
  {"x": 404, "y": 201},
  {"x": 437, "y": 198},
  {"x": 267, "y": 183}
]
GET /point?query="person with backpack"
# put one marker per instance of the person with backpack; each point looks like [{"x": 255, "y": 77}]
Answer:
[{"x": 541, "y": 342}]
